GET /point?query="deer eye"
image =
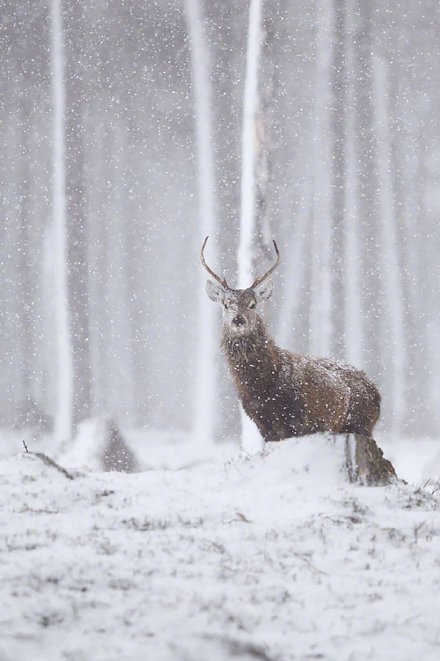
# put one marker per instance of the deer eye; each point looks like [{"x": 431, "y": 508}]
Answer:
[{"x": 252, "y": 305}]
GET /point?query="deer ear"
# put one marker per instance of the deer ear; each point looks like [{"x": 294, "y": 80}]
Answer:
[
  {"x": 215, "y": 292},
  {"x": 265, "y": 291}
]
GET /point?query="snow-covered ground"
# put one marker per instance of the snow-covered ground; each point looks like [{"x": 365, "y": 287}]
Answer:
[{"x": 269, "y": 557}]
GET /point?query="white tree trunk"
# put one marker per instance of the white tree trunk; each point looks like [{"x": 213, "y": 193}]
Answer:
[
  {"x": 352, "y": 249},
  {"x": 393, "y": 329},
  {"x": 119, "y": 361},
  {"x": 251, "y": 440},
  {"x": 294, "y": 279},
  {"x": 320, "y": 310},
  {"x": 205, "y": 391},
  {"x": 63, "y": 349}
]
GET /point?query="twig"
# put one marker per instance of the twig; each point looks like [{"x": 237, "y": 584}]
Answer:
[
  {"x": 242, "y": 648},
  {"x": 49, "y": 462},
  {"x": 310, "y": 565}
]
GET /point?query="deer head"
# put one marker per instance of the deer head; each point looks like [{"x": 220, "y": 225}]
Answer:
[{"x": 239, "y": 305}]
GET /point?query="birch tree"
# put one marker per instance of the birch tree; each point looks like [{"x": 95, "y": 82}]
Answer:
[
  {"x": 205, "y": 397},
  {"x": 367, "y": 185},
  {"x": 251, "y": 440},
  {"x": 320, "y": 331},
  {"x": 76, "y": 78},
  {"x": 393, "y": 340},
  {"x": 351, "y": 241},
  {"x": 64, "y": 380},
  {"x": 338, "y": 166},
  {"x": 24, "y": 278}
]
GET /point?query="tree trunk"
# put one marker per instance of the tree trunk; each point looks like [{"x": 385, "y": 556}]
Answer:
[
  {"x": 263, "y": 253},
  {"x": 116, "y": 455},
  {"x": 64, "y": 376},
  {"x": 25, "y": 277},
  {"x": 339, "y": 176},
  {"x": 77, "y": 228},
  {"x": 393, "y": 319},
  {"x": 205, "y": 390},
  {"x": 367, "y": 186},
  {"x": 250, "y": 440},
  {"x": 351, "y": 246},
  {"x": 320, "y": 330}
]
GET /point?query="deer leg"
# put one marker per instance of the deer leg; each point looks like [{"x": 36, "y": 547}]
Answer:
[
  {"x": 267, "y": 430},
  {"x": 271, "y": 437}
]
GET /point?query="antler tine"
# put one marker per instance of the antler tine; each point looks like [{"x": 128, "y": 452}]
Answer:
[
  {"x": 261, "y": 279},
  {"x": 222, "y": 281}
]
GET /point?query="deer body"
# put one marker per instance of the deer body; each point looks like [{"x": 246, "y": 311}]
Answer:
[
  {"x": 288, "y": 394},
  {"x": 284, "y": 393}
]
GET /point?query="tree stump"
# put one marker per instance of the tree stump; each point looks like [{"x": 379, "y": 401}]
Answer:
[
  {"x": 365, "y": 462},
  {"x": 116, "y": 455}
]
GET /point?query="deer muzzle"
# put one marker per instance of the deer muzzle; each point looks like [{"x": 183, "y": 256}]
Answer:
[{"x": 238, "y": 320}]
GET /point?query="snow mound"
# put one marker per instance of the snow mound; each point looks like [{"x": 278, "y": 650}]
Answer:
[
  {"x": 311, "y": 459},
  {"x": 273, "y": 557},
  {"x": 29, "y": 467}
]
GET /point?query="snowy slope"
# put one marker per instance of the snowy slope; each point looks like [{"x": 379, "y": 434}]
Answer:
[{"x": 272, "y": 557}]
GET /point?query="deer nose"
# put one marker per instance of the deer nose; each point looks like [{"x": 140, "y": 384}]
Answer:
[{"x": 238, "y": 320}]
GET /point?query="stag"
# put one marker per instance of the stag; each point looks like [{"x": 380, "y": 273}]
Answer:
[{"x": 287, "y": 394}]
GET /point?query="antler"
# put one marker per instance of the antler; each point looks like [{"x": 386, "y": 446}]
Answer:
[
  {"x": 222, "y": 281},
  {"x": 259, "y": 280}
]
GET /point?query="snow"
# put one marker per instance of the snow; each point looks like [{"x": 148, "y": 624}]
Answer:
[{"x": 270, "y": 557}]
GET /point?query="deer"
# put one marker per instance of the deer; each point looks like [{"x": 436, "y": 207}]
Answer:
[{"x": 287, "y": 394}]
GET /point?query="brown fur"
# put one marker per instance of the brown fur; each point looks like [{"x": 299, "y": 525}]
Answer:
[{"x": 289, "y": 394}]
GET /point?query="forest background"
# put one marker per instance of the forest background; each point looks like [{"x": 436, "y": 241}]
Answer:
[{"x": 123, "y": 143}]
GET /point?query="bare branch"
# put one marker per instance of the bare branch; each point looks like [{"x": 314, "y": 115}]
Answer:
[{"x": 49, "y": 462}]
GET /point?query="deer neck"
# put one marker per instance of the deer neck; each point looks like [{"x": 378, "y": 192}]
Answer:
[{"x": 253, "y": 352}]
